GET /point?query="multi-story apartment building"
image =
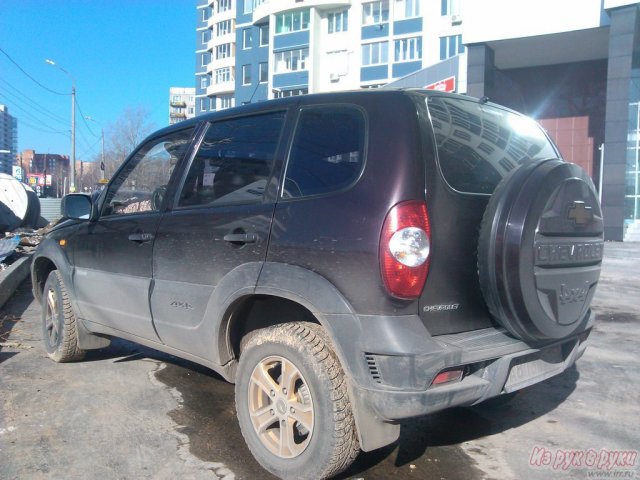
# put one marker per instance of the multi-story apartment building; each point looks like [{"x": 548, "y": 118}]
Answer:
[
  {"x": 8, "y": 139},
  {"x": 182, "y": 104},
  {"x": 573, "y": 65},
  {"x": 250, "y": 50}
]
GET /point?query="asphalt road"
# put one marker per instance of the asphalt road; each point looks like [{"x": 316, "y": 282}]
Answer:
[{"x": 131, "y": 412}]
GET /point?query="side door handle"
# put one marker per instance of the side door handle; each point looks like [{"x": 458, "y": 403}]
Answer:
[
  {"x": 240, "y": 238},
  {"x": 141, "y": 237}
]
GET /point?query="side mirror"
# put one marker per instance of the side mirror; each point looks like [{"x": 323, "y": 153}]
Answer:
[{"x": 76, "y": 206}]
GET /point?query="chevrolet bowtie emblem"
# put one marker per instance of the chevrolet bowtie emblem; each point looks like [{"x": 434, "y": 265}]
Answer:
[{"x": 580, "y": 213}]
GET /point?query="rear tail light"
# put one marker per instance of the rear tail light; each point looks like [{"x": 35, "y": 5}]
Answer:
[{"x": 404, "y": 249}]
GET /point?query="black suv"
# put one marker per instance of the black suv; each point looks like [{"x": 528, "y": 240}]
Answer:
[{"x": 348, "y": 260}]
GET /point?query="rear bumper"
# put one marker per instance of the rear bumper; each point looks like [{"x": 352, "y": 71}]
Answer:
[
  {"x": 485, "y": 379},
  {"x": 489, "y": 372}
]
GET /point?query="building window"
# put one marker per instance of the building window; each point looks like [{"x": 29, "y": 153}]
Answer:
[
  {"x": 205, "y": 14},
  {"x": 292, "y": 21},
  {"x": 206, "y": 36},
  {"x": 264, "y": 72},
  {"x": 338, "y": 22},
  {"x": 223, "y": 75},
  {"x": 223, "y": 51},
  {"x": 246, "y": 38},
  {"x": 264, "y": 35},
  {"x": 248, "y": 6},
  {"x": 212, "y": 103},
  {"x": 203, "y": 104},
  {"x": 291, "y": 60},
  {"x": 225, "y": 101},
  {"x": 224, "y": 5},
  {"x": 375, "y": 53},
  {"x": 450, "y": 7},
  {"x": 223, "y": 28},
  {"x": 450, "y": 46},
  {"x": 290, "y": 93},
  {"x": 407, "y": 9},
  {"x": 375, "y": 12},
  {"x": 246, "y": 74},
  {"x": 204, "y": 82},
  {"x": 408, "y": 49},
  {"x": 205, "y": 60}
]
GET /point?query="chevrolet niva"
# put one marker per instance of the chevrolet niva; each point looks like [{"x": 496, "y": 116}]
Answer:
[{"x": 348, "y": 260}]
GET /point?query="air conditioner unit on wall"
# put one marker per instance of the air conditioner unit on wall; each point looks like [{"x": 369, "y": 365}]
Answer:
[{"x": 456, "y": 19}]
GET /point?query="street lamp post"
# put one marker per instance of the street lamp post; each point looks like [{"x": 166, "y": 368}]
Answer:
[
  {"x": 102, "y": 135},
  {"x": 72, "y": 173}
]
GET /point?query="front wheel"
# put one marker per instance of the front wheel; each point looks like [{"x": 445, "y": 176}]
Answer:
[
  {"x": 292, "y": 403},
  {"x": 59, "y": 324}
]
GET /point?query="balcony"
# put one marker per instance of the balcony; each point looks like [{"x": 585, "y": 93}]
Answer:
[
  {"x": 178, "y": 115},
  {"x": 271, "y": 7},
  {"x": 220, "y": 88},
  {"x": 179, "y": 104}
]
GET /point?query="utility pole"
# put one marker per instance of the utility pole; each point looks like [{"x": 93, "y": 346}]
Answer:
[
  {"x": 72, "y": 173},
  {"x": 72, "y": 182}
]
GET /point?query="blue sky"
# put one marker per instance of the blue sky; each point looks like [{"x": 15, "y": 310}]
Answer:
[{"x": 121, "y": 53}]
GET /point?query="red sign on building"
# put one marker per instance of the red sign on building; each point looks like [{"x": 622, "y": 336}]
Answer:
[{"x": 446, "y": 85}]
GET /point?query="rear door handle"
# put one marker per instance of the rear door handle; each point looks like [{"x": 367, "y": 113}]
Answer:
[
  {"x": 241, "y": 238},
  {"x": 141, "y": 237}
]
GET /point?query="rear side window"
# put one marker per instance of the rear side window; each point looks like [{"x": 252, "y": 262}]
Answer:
[
  {"x": 478, "y": 145},
  {"x": 327, "y": 153},
  {"x": 233, "y": 162}
]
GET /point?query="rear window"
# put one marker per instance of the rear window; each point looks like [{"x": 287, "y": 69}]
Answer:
[{"x": 478, "y": 145}]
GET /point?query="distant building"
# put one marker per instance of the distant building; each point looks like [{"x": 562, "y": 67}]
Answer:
[
  {"x": 46, "y": 173},
  {"x": 8, "y": 139},
  {"x": 182, "y": 104}
]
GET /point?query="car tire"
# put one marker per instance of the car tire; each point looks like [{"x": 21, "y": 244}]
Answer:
[
  {"x": 59, "y": 323},
  {"x": 289, "y": 375}
]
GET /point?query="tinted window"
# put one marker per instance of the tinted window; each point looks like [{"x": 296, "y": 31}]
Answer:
[
  {"x": 478, "y": 145},
  {"x": 234, "y": 161},
  {"x": 327, "y": 153},
  {"x": 140, "y": 186}
]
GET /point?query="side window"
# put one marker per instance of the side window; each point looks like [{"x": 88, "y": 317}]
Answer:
[
  {"x": 141, "y": 184},
  {"x": 327, "y": 153},
  {"x": 234, "y": 161}
]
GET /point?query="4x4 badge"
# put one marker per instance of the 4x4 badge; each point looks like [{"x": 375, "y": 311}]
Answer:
[{"x": 580, "y": 213}]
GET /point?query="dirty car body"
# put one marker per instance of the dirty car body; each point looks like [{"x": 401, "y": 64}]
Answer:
[{"x": 437, "y": 246}]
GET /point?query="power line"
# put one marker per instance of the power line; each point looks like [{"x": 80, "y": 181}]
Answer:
[
  {"x": 28, "y": 114},
  {"x": 57, "y": 132},
  {"x": 83, "y": 118},
  {"x": 21, "y": 97},
  {"x": 34, "y": 80},
  {"x": 91, "y": 148}
]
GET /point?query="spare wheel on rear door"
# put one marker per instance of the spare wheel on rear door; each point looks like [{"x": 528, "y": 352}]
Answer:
[{"x": 540, "y": 250}]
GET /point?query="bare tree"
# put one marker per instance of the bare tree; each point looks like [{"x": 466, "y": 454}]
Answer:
[{"x": 124, "y": 135}]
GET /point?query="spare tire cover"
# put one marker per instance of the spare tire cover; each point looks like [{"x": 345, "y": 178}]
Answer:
[{"x": 540, "y": 250}]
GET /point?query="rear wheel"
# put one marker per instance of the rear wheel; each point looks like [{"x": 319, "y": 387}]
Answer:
[
  {"x": 292, "y": 403},
  {"x": 59, "y": 324}
]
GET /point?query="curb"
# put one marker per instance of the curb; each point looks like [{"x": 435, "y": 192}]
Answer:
[{"x": 12, "y": 277}]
